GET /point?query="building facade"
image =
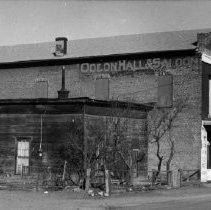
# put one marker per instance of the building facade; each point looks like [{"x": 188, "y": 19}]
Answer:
[
  {"x": 204, "y": 50},
  {"x": 111, "y": 69},
  {"x": 42, "y": 134}
]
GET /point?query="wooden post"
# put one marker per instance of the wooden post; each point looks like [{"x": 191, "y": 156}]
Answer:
[
  {"x": 22, "y": 171},
  {"x": 107, "y": 182},
  {"x": 169, "y": 178},
  {"x": 64, "y": 170},
  {"x": 175, "y": 177},
  {"x": 85, "y": 145},
  {"x": 88, "y": 172}
]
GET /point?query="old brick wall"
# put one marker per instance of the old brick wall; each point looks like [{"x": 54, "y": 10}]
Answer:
[
  {"x": 142, "y": 86},
  {"x": 21, "y": 83},
  {"x": 186, "y": 130},
  {"x": 134, "y": 85},
  {"x": 56, "y": 131}
]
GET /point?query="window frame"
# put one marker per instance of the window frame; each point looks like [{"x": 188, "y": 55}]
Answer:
[{"x": 19, "y": 139}]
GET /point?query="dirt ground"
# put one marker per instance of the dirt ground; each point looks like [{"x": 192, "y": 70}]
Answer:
[{"x": 63, "y": 200}]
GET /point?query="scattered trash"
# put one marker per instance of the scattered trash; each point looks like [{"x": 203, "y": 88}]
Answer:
[
  {"x": 77, "y": 189},
  {"x": 106, "y": 194},
  {"x": 68, "y": 187},
  {"x": 91, "y": 192},
  {"x": 130, "y": 189},
  {"x": 100, "y": 193}
]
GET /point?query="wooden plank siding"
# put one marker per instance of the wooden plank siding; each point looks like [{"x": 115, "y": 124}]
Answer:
[
  {"x": 55, "y": 132},
  {"x": 60, "y": 122}
]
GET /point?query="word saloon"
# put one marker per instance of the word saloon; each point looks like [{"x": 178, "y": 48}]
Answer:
[{"x": 136, "y": 65}]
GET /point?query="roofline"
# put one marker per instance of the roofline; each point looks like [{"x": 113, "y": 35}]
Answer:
[
  {"x": 77, "y": 60},
  {"x": 81, "y": 100}
]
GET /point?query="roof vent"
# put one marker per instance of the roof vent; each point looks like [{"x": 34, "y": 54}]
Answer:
[{"x": 61, "y": 46}]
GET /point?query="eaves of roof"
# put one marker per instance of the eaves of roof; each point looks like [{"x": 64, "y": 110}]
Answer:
[
  {"x": 102, "y": 47},
  {"x": 80, "y": 100}
]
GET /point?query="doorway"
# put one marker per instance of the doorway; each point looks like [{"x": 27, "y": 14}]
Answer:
[
  {"x": 22, "y": 156},
  {"x": 206, "y": 151}
]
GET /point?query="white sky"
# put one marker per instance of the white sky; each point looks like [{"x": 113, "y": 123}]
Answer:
[{"x": 39, "y": 21}]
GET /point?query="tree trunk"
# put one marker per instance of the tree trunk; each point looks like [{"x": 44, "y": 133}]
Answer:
[
  {"x": 168, "y": 163},
  {"x": 160, "y": 159}
]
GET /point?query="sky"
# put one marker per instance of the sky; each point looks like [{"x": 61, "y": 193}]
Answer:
[{"x": 31, "y": 21}]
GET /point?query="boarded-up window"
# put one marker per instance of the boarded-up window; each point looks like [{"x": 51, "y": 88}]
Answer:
[
  {"x": 165, "y": 91},
  {"x": 206, "y": 101},
  {"x": 135, "y": 144},
  {"x": 102, "y": 88},
  {"x": 41, "y": 89},
  {"x": 22, "y": 158}
]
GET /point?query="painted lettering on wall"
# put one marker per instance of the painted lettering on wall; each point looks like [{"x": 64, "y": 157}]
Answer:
[{"x": 137, "y": 65}]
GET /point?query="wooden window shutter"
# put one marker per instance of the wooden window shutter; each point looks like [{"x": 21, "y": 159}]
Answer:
[
  {"x": 41, "y": 89},
  {"x": 165, "y": 91},
  {"x": 102, "y": 88}
]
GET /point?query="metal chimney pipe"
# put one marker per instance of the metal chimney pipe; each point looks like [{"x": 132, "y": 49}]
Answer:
[
  {"x": 63, "y": 78},
  {"x": 61, "y": 46},
  {"x": 63, "y": 93}
]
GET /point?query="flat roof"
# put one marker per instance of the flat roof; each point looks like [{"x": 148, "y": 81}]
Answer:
[
  {"x": 104, "y": 46},
  {"x": 80, "y": 100}
]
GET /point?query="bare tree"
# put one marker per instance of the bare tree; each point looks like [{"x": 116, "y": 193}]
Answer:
[
  {"x": 121, "y": 134},
  {"x": 72, "y": 151},
  {"x": 160, "y": 122},
  {"x": 107, "y": 140}
]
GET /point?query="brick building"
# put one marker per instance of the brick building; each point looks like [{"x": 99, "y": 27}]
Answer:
[{"x": 124, "y": 69}]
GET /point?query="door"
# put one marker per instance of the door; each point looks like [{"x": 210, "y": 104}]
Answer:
[
  {"x": 208, "y": 159},
  {"x": 203, "y": 154},
  {"x": 22, "y": 158}
]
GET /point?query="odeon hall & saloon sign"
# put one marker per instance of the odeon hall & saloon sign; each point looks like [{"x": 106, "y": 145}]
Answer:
[{"x": 138, "y": 65}]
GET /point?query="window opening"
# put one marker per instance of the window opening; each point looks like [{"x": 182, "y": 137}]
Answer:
[{"x": 23, "y": 155}]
